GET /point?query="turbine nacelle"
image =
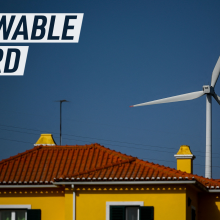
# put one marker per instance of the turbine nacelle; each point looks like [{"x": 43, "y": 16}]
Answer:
[{"x": 208, "y": 89}]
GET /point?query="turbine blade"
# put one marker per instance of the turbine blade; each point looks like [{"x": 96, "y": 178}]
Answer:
[
  {"x": 215, "y": 73},
  {"x": 184, "y": 97},
  {"x": 217, "y": 98}
]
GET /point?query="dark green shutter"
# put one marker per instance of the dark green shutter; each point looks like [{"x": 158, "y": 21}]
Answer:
[
  {"x": 33, "y": 214},
  {"x": 117, "y": 212},
  {"x": 193, "y": 213},
  {"x": 146, "y": 213}
]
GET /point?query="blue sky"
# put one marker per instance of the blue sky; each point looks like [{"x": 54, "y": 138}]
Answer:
[{"x": 129, "y": 52}]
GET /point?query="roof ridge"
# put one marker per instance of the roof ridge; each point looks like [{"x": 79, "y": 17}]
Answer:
[
  {"x": 21, "y": 154},
  {"x": 175, "y": 171},
  {"x": 100, "y": 168},
  {"x": 161, "y": 168},
  {"x": 113, "y": 152},
  {"x": 68, "y": 146},
  {"x": 45, "y": 147}
]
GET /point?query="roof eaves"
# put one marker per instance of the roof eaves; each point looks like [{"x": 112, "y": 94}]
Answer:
[{"x": 113, "y": 182}]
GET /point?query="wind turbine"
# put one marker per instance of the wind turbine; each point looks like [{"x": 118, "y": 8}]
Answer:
[{"x": 209, "y": 92}]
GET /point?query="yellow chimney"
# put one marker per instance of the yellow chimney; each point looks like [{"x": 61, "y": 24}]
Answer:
[
  {"x": 45, "y": 140},
  {"x": 185, "y": 159}
]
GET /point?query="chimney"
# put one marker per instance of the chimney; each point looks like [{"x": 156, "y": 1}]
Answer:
[
  {"x": 185, "y": 159},
  {"x": 45, "y": 140}
]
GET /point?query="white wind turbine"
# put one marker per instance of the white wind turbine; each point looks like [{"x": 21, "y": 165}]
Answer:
[{"x": 209, "y": 91}]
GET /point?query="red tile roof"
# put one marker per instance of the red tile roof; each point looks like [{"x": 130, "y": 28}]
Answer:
[{"x": 48, "y": 164}]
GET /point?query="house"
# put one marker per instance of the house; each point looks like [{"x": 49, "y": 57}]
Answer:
[{"x": 94, "y": 182}]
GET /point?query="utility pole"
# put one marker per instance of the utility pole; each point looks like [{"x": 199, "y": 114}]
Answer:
[{"x": 61, "y": 101}]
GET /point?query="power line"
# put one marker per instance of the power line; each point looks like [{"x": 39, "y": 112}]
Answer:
[
  {"x": 90, "y": 122},
  {"x": 16, "y": 140},
  {"x": 103, "y": 140},
  {"x": 110, "y": 144},
  {"x": 113, "y": 145},
  {"x": 175, "y": 162}
]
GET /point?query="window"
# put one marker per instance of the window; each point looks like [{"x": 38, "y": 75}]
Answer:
[
  {"x": 13, "y": 214},
  {"x": 131, "y": 212},
  {"x": 19, "y": 212}
]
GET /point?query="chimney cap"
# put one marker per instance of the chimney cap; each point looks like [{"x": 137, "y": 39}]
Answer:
[
  {"x": 45, "y": 140},
  {"x": 184, "y": 153}
]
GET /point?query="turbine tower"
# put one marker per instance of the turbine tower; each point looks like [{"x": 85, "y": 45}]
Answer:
[{"x": 209, "y": 92}]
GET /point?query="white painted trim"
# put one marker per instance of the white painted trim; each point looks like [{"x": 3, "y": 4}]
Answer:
[
  {"x": 13, "y": 215},
  {"x": 74, "y": 205},
  {"x": 15, "y": 206},
  {"x": 184, "y": 156},
  {"x": 108, "y": 204},
  {"x": 214, "y": 190},
  {"x": 127, "y": 182},
  {"x": 28, "y": 186},
  {"x": 44, "y": 145}
]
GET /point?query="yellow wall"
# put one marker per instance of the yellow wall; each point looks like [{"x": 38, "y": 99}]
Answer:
[
  {"x": 185, "y": 165},
  {"x": 169, "y": 202},
  {"x": 68, "y": 204},
  {"x": 50, "y": 201}
]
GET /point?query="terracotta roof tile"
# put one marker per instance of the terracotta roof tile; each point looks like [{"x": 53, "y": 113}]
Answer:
[{"x": 46, "y": 164}]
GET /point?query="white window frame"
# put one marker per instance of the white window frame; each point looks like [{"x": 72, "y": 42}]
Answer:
[
  {"x": 15, "y": 207},
  {"x": 108, "y": 204}
]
